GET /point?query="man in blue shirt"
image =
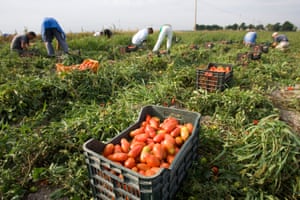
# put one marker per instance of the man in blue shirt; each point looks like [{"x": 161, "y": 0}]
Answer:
[
  {"x": 281, "y": 41},
  {"x": 51, "y": 29},
  {"x": 250, "y": 38}
]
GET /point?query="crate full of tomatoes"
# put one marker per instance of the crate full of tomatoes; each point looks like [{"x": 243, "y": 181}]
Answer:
[
  {"x": 214, "y": 77},
  {"x": 148, "y": 160}
]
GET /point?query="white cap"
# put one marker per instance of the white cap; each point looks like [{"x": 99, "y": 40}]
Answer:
[{"x": 274, "y": 34}]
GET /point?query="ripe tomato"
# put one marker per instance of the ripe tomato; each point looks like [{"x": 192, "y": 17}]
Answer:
[
  {"x": 178, "y": 141},
  {"x": 159, "y": 137},
  {"x": 152, "y": 171},
  {"x": 135, "y": 142},
  {"x": 129, "y": 163},
  {"x": 164, "y": 165},
  {"x": 125, "y": 145},
  {"x": 142, "y": 137},
  {"x": 169, "y": 137},
  {"x": 150, "y": 130},
  {"x": 137, "y": 131},
  {"x": 152, "y": 161},
  {"x": 170, "y": 158},
  {"x": 215, "y": 170},
  {"x": 190, "y": 127},
  {"x": 169, "y": 146},
  {"x": 117, "y": 148},
  {"x": 154, "y": 122},
  {"x": 144, "y": 154},
  {"x": 149, "y": 172},
  {"x": 135, "y": 151},
  {"x": 169, "y": 124},
  {"x": 175, "y": 132},
  {"x": 148, "y": 117},
  {"x": 184, "y": 133},
  {"x": 158, "y": 151},
  {"x": 142, "y": 172},
  {"x": 118, "y": 157},
  {"x": 135, "y": 169},
  {"x": 142, "y": 166},
  {"x": 108, "y": 149}
]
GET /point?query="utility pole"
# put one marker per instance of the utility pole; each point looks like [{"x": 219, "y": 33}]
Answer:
[{"x": 196, "y": 10}]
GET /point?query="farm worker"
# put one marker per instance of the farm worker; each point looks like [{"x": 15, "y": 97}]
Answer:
[
  {"x": 107, "y": 33},
  {"x": 51, "y": 29},
  {"x": 165, "y": 31},
  {"x": 280, "y": 41},
  {"x": 141, "y": 36},
  {"x": 20, "y": 43},
  {"x": 250, "y": 38}
]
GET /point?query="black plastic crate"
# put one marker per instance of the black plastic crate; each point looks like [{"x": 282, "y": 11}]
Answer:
[
  {"x": 260, "y": 48},
  {"x": 213, "y": 81},
  {"x": 112, "y": 181}
]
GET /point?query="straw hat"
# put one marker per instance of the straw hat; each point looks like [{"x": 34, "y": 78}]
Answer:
[{"x": 274, "y": 34}]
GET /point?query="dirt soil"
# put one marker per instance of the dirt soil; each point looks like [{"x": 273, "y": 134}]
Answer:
[{"x": 42, "y": 194}]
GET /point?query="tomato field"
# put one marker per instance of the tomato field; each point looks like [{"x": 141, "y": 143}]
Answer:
[{"x": 245, "y": 150}]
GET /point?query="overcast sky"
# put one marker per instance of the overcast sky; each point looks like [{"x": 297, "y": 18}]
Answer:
[{"x": 93, "y": 15}]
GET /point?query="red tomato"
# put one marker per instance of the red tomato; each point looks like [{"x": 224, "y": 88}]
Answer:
[
  {"x": 108, "y": 149},
  {"x": 150, "y": 130},
  {"x": 164, "y": 165},
  {"x": 135, "y": 142},
  {"x": 142, "y": 137},
  {"x": 169, "y": 137},
  {"x": 215, "y": 170},
  {"x": 137, "y": 131},
  {"x": 142, "y": 166},
  {"x": 135, "y": 169},
  {"x": 118, "y": 157},
  {"x": 154, "y": 122},
  {"x": 184, "y": 133},
  {"x": 144, "y": 154},
  {"x": 118, "y": 149},
  {"x": 149, "y": 172},
  {"x": 125, "y": 145},
  {"x": 170, "y": 159},
  {"x": 148, "y": 117},
  {"x": 169, "y": 146},
  {"x": 190, "y": 127},
  {"x": 158, "y": 151},
  {"x": 135, "y": 151},
  {"x": 175, "y": 132},
  {"x": 129, "y": 163},
  {"x": 169, "y": 124},
  {"x": 152, "y": 161},
  {"x": 159, "y": 137},
  {"x": 142, "y": 172},
  {"x": 179, "y": 141}
]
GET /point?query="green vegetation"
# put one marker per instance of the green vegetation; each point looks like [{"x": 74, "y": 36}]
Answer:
[{"x": 45, "y": 118}]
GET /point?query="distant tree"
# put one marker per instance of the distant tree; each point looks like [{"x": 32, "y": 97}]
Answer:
[
  {"x": 260, "y": 27},
  {"x": 269, "y": 27},
  {"x": 235, "y": 26},
  {"x": 251, "y": 26},
  {"x": 276, "y": 27},
  {"x": 213, "y": 27},
  {"x": 243, "y": 26},
  {"x": 288, "y": 26}
]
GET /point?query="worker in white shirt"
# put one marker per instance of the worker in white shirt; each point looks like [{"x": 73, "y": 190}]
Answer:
[
  {"x": 141, "y": 36},
  {"x": 165, "y": 31}
]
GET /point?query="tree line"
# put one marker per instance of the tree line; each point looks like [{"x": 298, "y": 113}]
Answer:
[{"x": 286, "y": 26}]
